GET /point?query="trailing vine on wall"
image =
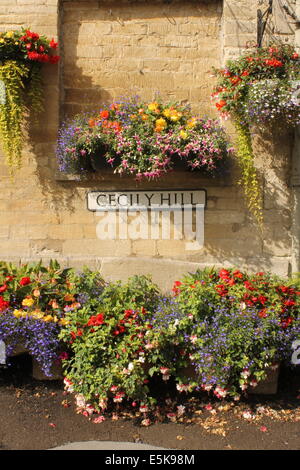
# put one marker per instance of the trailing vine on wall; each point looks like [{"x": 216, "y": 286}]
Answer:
[{"x": 21, "y": 91}]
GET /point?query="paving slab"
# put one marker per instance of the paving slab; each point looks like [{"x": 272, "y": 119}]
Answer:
[{"x": 107, "y": 445}]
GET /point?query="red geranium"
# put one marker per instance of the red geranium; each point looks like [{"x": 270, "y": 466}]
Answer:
[
  {"x": 3, "y": 288},
  {"x": 25, "y": 281},
  {"x": 96, "y": 320}
]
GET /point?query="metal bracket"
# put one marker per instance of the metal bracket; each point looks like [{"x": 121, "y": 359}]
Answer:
[{"x": 262, "y": 23}]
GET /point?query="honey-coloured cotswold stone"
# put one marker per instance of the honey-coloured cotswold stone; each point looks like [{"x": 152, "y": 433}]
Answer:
[{"x": 113, "y": 48}]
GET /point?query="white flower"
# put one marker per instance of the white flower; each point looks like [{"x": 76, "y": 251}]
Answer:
[
  {"x": 248, "y": 415},
  {"x": 193, "y": 339},
  {"x": 130, "y": 366},
  {"x": 141, "y": 359},
  {"x": 165, "y": 377},
  {"x": 245, "y": 373},
  {"x": 206, "y": 387},
  {"x": 180, "y": 410},
  {"x": 244, "y": 387}
]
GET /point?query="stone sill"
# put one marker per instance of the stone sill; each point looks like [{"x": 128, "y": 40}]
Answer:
[{"x": 181, "y": 178}]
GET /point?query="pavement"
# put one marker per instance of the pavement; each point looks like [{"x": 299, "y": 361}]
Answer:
[{"x": 107, "y": 445}]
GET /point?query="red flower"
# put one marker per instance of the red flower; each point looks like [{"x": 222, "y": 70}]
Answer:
[
  {"x": 220, "y": 105},
  {"x": 104, "y": 114},
  {"x": 289, "y": 303},
  {"x": 128, "y": 313},
  {"x": 176, "y": 286},
  {"x": 245, "y": 73},
  {"x": 263, "y": 313},
  {"x": 3, "y": 304},
  {"x": 262, "y": 299},
  {"x": 24, "y": 281},
  {"x": 53, "y": 44},
  {"x": 96, "y": 320},
  {"x": 238, "y": 274},
  {"x": 28, "y": 46},
  {"x": 248, "y": 285},
  {"x": 224, "y": 274},
  {"x": 9, "y": 278},
  {"x": 33, "y": 36},
  {"x": 286, "y": 322},
  {"x": 295, "y": 56},
  {"x": 235, "y": 80},
  {"x": 221, "y": 289},
  {"x": 3, "y": 288},
  {"x": 274, "y": 62},
  {"x": 53, "y": 59}
]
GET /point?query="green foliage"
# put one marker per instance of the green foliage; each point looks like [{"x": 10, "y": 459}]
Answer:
[
  {"x": 249, "y": 177},
  {"x": 13, "y": 112}
]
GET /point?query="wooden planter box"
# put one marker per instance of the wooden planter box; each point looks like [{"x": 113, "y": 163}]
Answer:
[{"x": 37, "y": 373}]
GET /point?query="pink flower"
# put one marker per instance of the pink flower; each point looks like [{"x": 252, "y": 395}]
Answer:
[
  {"x": 144, "y": 408},
  {"x": 146, "y": 422},
  {"x": 99, "y": 419}
]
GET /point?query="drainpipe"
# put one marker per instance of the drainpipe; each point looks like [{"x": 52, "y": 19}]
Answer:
[{"x": 295, "y": 180}]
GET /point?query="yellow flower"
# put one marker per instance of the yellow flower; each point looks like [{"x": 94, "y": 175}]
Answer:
[
  {"x": 191, "y": 123},
  {"x": 48, "y": 318},
  {"x": 63, "y": 322},
  {"x": 144, "y": 117},
  {"x": 69, "y": 298},
  {"x": 16, "y": 43},
  {"x": 37, "y": 314},
  {"x": 18, "y": 313},
  {"x": 161, "y": 122},
  {"x": 175, "y": 115},
  {"x": 2, "y": 40},
  {"x": 9, "y": 34},
  {"x": 167, "y": 112},
  {"x": 27, "y": 302},
  {"x": 153, "y": 106},
  {"x": 183, "y": 134}
]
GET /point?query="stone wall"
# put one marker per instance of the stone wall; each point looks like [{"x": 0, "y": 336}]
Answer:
[{"x": 110, "y": 48}]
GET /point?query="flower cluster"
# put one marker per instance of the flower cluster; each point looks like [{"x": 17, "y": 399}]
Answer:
[
  {"x": 260, "y": 78},
  {"x": 142, "y": 139},
  {"x": 261, "y": 87},
  {"x": 219, "y": 333},
  {"x": 26, "y": 45},
  {"x": 34, "y": 301}
]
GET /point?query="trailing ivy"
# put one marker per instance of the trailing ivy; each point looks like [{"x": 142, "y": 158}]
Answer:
[
  {"x": 15, "y": 108},
  {"x": 249, "y": 177}
]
